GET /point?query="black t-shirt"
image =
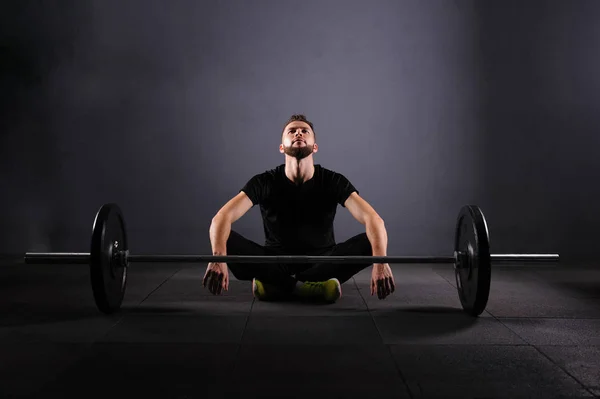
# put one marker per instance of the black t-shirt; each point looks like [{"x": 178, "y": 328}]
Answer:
[{"x": 298, "y": 218}]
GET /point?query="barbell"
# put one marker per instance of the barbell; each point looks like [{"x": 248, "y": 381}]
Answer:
[{"x": 109, "y": 259}]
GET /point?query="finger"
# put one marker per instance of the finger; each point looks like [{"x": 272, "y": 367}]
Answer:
[
  {"x": 207, "y": 277},
  {"x": 215, "y": 283},
  {"x": 372, "y": 286},
  {"x": 220, "y": 284},
  {"x": 392, "y": 284},
  {"x": 211, "y": 282},
  {"x": 379, "y": 289},
  {"x": 388, "y": 289},
  {"x": 226, "y": 282}
]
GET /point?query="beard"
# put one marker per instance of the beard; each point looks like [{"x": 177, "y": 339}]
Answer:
[{"x": 298, "y": 152}]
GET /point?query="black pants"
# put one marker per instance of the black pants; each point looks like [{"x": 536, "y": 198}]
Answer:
[{"x": 282, "y": 275}]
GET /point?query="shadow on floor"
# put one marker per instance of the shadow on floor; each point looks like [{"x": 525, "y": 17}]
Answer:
[
  {"x": 587, "y": 289},
  {"x": 24, "y": 314},
  {"x": 418, "y": 322}
]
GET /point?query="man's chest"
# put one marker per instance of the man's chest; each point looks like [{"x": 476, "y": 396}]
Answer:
[{"x": 299, "y": 201}]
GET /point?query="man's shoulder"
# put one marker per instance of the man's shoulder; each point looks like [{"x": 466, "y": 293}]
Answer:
[
  {"x": 270, "y": 174},
  {"x": 328, "y": 173}
]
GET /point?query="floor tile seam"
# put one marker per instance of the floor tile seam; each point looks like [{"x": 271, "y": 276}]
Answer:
[
  {"x": 445, "y": 279},
  {"x": 123, "y": 314},
  {"x": 389, "y": 350},
  {"x": 237, "y": 357},
  {"x": 544, "y": 355},
  {"x": 399, "y": 372},
  {"x": 160, "y": 285},
  {"x": 498, "y": 345},
  {"x": 525, "y": 342},
  {"x": 564, "y": 370},
  {"x": 510, "y": 329}
]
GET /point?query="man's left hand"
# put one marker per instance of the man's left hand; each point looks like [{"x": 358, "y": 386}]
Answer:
[{"x": 382, "y": 280}]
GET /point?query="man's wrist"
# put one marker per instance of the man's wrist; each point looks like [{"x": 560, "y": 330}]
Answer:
[{"x": 378, "y": 251}]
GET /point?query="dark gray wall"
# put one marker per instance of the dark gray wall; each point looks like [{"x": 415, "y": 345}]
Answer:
[
  {"x": 168, "y": 108},
  {"x": 540, "y": 103}
]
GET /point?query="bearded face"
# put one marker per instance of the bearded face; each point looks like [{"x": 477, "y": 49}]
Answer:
[
  {"x": 298, "y": 141},
  {"x": 298, "y": 149}
]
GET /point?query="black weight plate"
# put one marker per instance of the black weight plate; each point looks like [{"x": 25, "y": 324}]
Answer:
[
  {"x": 473, "y": 278},
  {"x": 109, "y": 279}
]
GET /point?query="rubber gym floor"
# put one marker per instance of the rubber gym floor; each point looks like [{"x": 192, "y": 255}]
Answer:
[{"x": 539, "y": 337}]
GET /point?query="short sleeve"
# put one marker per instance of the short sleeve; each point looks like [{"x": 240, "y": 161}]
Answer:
[
  {"x": 255, "y": 189},
  {"x": 342, "y": 188}
]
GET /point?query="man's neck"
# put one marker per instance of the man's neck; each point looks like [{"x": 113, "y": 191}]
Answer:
[{"x": 299, "y": 171}]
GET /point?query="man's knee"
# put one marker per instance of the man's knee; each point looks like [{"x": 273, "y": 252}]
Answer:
[
  {"x": 237, "y": 244},
  {"x": 234, "y": 236},
  {"x": 364, "y": 245},
  {"x": 363, "y": 237}
]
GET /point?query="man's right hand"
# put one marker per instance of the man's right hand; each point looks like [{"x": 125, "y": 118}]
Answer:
[{"x": 216, "y": 278}]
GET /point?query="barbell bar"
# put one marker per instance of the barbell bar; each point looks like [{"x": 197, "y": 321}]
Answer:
[
  {"x": 109, "y": 258},
  {"x": 84, "y": 258}
]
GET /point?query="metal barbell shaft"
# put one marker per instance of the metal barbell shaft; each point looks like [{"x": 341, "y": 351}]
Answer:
[
  {"x": 291, "y": 259},
  {"x": 525, "y": 257},
  {"x": 76, "y": 258},
  {"x": 333, "y": 259}
]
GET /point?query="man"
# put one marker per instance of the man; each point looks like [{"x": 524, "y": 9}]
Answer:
[{"x": 298, "y": 202}]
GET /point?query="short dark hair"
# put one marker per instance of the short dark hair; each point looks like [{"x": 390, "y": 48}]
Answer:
[{"x": 299, "y": 118}]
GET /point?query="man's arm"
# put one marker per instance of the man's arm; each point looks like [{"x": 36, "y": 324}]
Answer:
[
  {"x": 366, "y": 215},
  {"x": 220, "y": 227},
  {"x": 382, "y": 279},
  {"x": 216, "y": 277}
]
